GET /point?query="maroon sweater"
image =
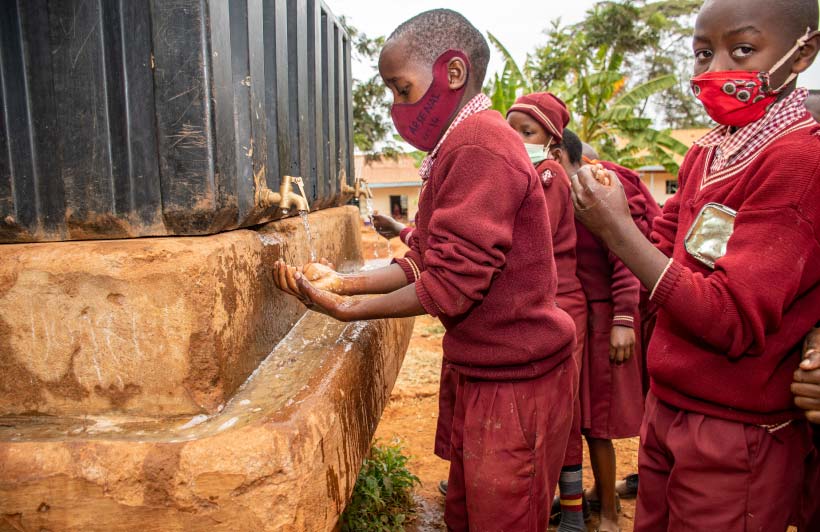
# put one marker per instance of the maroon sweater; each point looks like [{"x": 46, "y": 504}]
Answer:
[
  {"x": 728, "y": 340},
  {"x": 562, "y": 223},
  {"x": 481, "y": 256},
  {"x": 603, "y": 276}
]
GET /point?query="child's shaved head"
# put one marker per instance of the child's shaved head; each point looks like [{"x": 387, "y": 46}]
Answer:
[
  {"x": 798, "y": 15},
  {"x": 430, "y": 34},
  {"x": 813, "y": 104},
  {"x": 794, "y": 16}
]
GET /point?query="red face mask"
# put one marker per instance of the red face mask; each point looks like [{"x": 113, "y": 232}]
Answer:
[
  {"x": 423, "y": 123},
  {"x": 738, "y": 97}
]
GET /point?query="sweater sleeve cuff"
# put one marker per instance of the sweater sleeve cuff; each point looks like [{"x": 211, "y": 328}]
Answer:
[
  {"x": 405, "y": 235},
  {"x": 410, "y": 268},
  {"x": 426, "y": 300},
  {"x": 623, "y": 320},
  {"x": 667, "y": 283}
]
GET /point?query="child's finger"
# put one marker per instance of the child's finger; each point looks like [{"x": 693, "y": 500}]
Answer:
[
  {"x": 811, "y": 360},
  {"x": 291, "y": 281},
  {"x": 807, "y": 403},
  {"x": 813, "y": 416},
  {"x": 806, "y": 389},
  {"x": 282, "y": 272}
]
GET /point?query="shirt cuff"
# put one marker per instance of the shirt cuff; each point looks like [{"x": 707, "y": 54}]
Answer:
[
  {"x": 623, "y": 320},
  {"x": 405, "y": 235},
  {"x": 410, "y": 268},
  {"x": 667, "y": 283}
]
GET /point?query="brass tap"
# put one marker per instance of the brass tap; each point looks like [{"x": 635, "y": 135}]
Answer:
[
  {"x": 347, "y": 192},
  {"x": 362, "y": 189},
  {"x": 286, "y": 198},
  {"x": 289, "y": 199}
]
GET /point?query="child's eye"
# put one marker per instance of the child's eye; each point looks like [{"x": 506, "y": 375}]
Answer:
[
  {"x": 742, "y": 51},
  {"x": 703, "y": 55}
]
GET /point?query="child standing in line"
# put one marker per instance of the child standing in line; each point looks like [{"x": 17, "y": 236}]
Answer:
[
  {"x": 539, "y": 119},
  {"x": 481, "y": 261},
  {"x": 611, "y": 384},
  {"x": 735, "y": 270}
]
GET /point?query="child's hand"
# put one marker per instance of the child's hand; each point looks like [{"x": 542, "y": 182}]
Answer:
[
  {"x": 602, "y": 208},
  {"x": 387, "y": 226},
  {"x": 335, "y": 306},
  {"x": 291, "y": 281},
  {"x": 323, "y": 276},
  {"x": 621, "y": 344},
  {"x": 285, "y": 280},
  {"x": 806, "y": 385},
  {"x": 602, "y": 175}
]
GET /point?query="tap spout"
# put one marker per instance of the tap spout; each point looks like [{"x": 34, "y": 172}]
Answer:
[{"x": 289, "y": 199}]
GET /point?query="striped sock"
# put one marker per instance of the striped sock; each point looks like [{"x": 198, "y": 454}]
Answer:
[{"x": 571, "y": 489}]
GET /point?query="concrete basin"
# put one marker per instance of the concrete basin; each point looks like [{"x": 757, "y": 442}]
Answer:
[{"x": 277, "y": 446}]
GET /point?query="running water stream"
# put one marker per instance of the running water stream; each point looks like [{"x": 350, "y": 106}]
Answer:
[{"x": 306, "y": 223}]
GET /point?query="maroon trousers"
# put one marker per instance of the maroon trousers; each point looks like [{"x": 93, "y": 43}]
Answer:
[
  {"x": 575, "y": 304},
  {"x": 508, "y": 441},
  {"x": 703, "y": 473},
  {"x": 810, "y": 512},
  {"x": 446, "y": 404}
]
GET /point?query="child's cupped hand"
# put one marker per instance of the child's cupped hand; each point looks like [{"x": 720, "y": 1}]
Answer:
[
  {"x": 599, "y": 200},
  {"x": 323, "y": 276},
  {"x": 293, "y": 282}
]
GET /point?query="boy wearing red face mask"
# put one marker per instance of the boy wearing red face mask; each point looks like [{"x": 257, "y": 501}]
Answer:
[
  {"x": 481, "y": 261},
  {"x": 735, "y": 271}
]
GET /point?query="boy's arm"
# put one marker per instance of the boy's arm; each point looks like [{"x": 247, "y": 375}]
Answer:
[
  {"x": 397, "y": 304},
  {"x": 626, "y": 294},
  {"x": 323, "y": 276},
  {"x": 733, "y": 308},
  {"x": 471, "y": 228}
]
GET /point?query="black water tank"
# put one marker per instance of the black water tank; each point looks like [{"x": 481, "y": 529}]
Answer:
[{"x": 129, "y": 118}]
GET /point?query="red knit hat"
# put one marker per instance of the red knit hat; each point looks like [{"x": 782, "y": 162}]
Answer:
[{"x": 546, "y": 109}]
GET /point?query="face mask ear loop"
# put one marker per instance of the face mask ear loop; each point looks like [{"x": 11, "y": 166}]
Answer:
[{"x": 801, "y": 42}]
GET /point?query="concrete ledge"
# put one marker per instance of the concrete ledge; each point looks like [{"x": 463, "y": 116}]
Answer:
[
  {"x": 282, "y": 455},
  {"x": 155, "y": 326}
]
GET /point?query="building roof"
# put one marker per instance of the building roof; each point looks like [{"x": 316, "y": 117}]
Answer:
[{"x": 388, "y": 172}]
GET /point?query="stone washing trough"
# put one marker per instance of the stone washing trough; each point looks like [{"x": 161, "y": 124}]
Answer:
[{"x": 165, "y": 384}]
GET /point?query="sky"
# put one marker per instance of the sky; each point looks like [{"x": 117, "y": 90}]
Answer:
[{"x": 518, "y": 24}]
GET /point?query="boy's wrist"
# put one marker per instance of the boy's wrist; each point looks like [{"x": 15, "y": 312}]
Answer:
[{"x": 616, "y": 236}]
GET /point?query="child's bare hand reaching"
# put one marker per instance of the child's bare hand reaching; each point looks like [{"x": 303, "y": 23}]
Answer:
[
  {"x": 291, "y": 281},
  {"x": 599, "y": 200},
  {"x": 621, "y": 344},
  {"x": 387, "y": 226},
  {"x": 806, "y": 385}
]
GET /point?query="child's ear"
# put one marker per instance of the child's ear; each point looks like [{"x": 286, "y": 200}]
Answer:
[
  {"x": 457, "y": 73},
  {"x": 556, "y": 152},
  {"x": 807, "y": 53}
]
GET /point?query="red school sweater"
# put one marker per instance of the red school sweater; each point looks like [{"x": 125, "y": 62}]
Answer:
[
  {"x": 603, "y": 276},
  {"x": 728, "y": 340},
  {"x": 562, "y": 222},
  {"x": 481, "y": 256}
]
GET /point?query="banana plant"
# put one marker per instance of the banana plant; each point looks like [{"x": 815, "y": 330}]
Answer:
[{"x": 606, "y": 112}]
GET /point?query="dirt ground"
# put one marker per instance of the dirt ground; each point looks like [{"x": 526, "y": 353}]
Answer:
[{"x": 411, "y": 416}]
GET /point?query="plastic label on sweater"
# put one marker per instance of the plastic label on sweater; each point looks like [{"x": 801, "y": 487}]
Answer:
[{"x": 709, "y": 235}]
